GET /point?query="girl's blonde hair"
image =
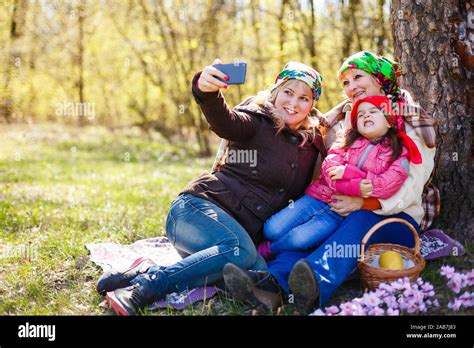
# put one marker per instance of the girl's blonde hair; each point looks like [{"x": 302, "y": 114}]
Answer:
[{"x": 308, "y": 129}]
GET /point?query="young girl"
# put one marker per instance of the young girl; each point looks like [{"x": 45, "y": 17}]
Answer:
[{"x": 371, "y": 160}]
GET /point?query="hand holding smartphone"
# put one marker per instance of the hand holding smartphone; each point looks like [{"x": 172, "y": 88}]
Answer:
[{"x": 234, "y": 71}]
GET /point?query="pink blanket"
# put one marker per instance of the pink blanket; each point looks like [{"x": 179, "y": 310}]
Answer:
[{"x": 159, "y": 250}]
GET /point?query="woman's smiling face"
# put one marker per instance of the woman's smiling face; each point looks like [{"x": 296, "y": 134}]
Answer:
[
  {"x": 294, "y": 102},
  {"x": 359, "y": 84}
]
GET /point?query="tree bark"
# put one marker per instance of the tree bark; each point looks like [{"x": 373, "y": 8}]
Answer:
[
  {"x": 282, "y": 31},
  {"x": 431, "y": 41}
]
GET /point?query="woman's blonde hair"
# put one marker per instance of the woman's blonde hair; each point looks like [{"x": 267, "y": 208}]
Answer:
[{"x": 308, "y": 129}]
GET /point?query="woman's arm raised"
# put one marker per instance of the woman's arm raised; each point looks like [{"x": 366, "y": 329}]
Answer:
[{"x": 226, "y": 123}]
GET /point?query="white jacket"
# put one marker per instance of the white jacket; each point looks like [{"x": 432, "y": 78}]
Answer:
[{"x": 408, "y": 198}]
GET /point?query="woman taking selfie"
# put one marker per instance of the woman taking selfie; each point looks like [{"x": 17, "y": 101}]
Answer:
[{"x": 218, "y": 218}]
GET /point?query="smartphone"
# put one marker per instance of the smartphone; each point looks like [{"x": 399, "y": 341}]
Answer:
[{"x": 235, "y": 72}]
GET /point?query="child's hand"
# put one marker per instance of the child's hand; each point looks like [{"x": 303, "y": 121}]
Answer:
[
  {"x": 366, "y": 188},
  {"x": 336, "y": 172}
]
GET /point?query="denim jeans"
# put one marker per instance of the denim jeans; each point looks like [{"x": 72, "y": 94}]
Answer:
[
  {"x": 330, "y": 268},
  {"x": 211, "y": 237},
  {"x": 301, "y": 226}
]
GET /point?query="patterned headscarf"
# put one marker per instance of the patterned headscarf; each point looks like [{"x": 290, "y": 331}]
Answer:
[
  {"x": 302, "y": 72},
  {"x": 385, "y": 71},
  {"x": 392, "y": 112}
]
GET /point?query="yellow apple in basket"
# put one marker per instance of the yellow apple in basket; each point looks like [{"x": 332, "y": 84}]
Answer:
[{"x": 391, "y": 260}]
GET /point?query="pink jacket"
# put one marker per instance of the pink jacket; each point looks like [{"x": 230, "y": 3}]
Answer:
[{"x": 363, "y": 160}]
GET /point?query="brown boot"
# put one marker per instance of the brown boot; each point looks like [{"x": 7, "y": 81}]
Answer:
[
  {"x": 257, "y": 288},
  {"x": 303, "y": 285}
]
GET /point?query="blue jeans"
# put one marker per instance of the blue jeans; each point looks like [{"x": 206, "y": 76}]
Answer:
[
  {"x": 302, "y": 225},
  {"x": 332, "y": 269},
  {"x": 211, "y": 237}
]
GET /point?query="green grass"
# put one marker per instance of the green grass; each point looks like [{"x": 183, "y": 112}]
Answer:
[{"x": 63, "y": 187}]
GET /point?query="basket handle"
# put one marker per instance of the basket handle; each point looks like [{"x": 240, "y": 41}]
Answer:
[{"x": 383, "y": 223}]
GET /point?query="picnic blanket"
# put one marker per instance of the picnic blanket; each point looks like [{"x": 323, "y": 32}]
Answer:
[
  {"x": 434, "y": 244},
  {"x": 161, "y": 252}
]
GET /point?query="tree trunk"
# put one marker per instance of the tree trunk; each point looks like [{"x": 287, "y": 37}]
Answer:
[
  {"x": 354, "y": 10},
  {"x": 15, "y": 57},
  {"x": 346, "y": 34},
  {"x": 80, "y": 62},
  {"x": 259, "y": 58},
  {"x": 282, "y": 31},
  {"x": 431, "y": 40},
  {"x": 380, "y": 38}
]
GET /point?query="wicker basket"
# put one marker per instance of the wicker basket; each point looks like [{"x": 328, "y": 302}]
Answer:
[{"x": 372, "y": 276}]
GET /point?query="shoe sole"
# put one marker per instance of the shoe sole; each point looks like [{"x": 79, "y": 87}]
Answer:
[
  {"x": 303, "y": 285},
  {"x": 115, "y": 304},
  {"x": 136, "y": 262},
  {"x": 241, "y": 286}
]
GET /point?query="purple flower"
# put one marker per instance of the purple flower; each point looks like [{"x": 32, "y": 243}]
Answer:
[
  {"x": 447, "y": 271},
  {"x": 455, "y": 305},
  {"x": 470, "y": 278},
  {"x": 318, "y": 312},
  {"x": 408, "y": 292},
  {"x": 430, "y": 294},
  {"x": 398, "y": 286},
  {"x": 465, "y": 280},
  {"x": 391, "y": 302},
  {"x": 412, "y": 307},
  {"x": 346, "y": 308},
  {"x": 371, "y": 300},
  {"x": 376, "y": 311},
  {"x": 386, "y": 287},
  {"x": 402, "y": 303},
  {"x": 358, "y": 309},
  {"x": 456, "y": 282},
  {"x": 427, "y": 287},
  {"x": 392, "y": 312},
  {"x": 418, "y": 296},
  {"x": 332, "y": 310},
  {"x": 467, "y": 299}
]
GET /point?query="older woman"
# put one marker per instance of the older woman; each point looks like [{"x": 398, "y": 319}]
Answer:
[
  {"x": 218, "y": 218},
  {"x": 313, "y": 276}
]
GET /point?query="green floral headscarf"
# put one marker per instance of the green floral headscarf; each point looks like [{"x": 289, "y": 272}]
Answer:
[{"x": 385, "y": 71}]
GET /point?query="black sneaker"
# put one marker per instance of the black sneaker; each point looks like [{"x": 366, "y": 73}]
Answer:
[
  {"x": 129, "y": 300},
  {"x": 113, "y": 279},
  {"x": 257, "y": 288},
  {"x": 303, "y": 285}
]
